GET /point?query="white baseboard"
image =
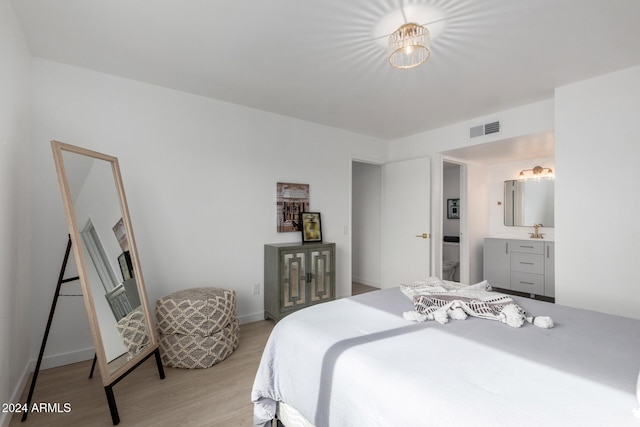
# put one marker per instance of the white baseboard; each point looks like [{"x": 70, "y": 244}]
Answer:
[
  {"x": 249, "y": 318},
  {"x": 5, "y": 417},
  {"x": 365, "y": 281},
  {"x": 62, "y": 359}
]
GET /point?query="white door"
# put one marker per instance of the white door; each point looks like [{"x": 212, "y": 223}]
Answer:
[{"x": 406, "y": 221}]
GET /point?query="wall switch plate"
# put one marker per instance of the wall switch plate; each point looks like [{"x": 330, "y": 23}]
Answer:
[{"x": 256, "y": 288}]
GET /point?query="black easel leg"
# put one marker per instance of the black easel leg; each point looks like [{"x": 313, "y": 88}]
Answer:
[
  {"x": 47, "y": 329},
  {"x": 159, "y": 363},
  {"x": 112, "y": 405},
  {"x": 93, "y": 365}
]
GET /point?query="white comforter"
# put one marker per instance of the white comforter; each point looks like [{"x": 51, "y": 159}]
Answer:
[{"x": 357, "y": 362}]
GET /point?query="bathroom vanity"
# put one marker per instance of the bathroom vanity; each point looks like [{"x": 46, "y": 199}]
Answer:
[{"x": 520, "y": 265}]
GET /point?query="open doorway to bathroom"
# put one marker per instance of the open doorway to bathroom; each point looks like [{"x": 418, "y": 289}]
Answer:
[{"x": 451, "y": 229}]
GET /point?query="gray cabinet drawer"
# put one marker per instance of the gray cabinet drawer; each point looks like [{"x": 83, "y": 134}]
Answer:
[
  {"x": 526, "y": 282},
  {"x": 527, "y": 263},
  {"x": 527, "y": 247}
]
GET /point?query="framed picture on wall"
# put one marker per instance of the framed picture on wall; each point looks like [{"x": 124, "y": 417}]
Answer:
[
  {"x": 126, "y": 266},
  {"x": 311, "y": 227},
  {"x": 121, "y": 235},
  {"x": 453, "y": 208},
  {"x": 293, "y": 199}
]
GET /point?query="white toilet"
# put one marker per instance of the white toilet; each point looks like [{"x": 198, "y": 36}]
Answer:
[{"x": 450, "y": 260}]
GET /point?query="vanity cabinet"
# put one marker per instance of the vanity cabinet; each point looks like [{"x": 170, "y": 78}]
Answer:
[
  {"x": 520, "y": 265},
  {"x": 297, "y": 276}
]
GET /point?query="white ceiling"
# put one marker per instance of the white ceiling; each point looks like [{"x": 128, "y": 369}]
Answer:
[{"x": 319, "y": 60}]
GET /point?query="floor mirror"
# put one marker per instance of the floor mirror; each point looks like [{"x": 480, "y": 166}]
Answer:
[{"x": 108, "y": 266}]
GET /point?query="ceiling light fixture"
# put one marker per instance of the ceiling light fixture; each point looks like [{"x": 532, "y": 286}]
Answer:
[
  {"x": 409, "y": 46},
  {"x": 537, "y": 173}
]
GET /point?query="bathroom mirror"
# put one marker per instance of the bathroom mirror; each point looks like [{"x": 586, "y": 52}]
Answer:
[
  {"x": 529, "y": 202},
  {"x": 107, "y": 261}
]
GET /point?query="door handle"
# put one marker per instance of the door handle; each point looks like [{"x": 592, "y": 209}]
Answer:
[{"x": 423, "y": 235}]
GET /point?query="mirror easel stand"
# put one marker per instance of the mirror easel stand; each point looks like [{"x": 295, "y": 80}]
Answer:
[
  {"x": 94, "y": 199},
  {"x": 113, "y": 409},
  {"x": 61, "y": 281}
]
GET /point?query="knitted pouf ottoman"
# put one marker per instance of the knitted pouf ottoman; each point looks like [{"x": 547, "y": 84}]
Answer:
[
  {"x": 133, "y": 331},
  {"x": 197, "y": 327}
]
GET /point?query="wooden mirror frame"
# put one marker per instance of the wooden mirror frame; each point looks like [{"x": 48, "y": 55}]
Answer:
[{"x": 109, "y": 376}]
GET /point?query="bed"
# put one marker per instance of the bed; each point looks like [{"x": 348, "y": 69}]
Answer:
[{"x": 358, "y": 362}]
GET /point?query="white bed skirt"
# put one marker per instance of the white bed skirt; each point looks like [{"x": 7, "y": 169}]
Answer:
[{"x": 291, "y": 417}]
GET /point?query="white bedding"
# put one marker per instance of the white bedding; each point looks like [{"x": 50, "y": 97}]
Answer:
[{"x": 357, "y": 362}]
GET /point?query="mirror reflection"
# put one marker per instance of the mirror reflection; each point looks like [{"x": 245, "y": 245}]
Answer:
[
  {"x": 105, "y": 245},
  {"x": 529, "y": 202}
]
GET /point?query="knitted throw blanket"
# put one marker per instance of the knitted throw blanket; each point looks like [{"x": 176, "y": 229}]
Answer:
[{"x": 439, "y": 304}]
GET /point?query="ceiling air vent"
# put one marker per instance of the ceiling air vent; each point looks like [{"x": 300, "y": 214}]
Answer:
[{"x": 485, "y": 129}]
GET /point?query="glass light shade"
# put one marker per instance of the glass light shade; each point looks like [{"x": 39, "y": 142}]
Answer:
[
  {"x": 536, "y": 173},
  {"x": 409, "y": 46}
]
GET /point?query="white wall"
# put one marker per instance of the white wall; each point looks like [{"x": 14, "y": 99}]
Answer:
[
  {"x": 200, "y": 178},
  {"x": 475, "y": 224},
  {"x": 597, "y": 196},
  {"x": 15, "y": 207},
  {"x": 366, "y": 224}
]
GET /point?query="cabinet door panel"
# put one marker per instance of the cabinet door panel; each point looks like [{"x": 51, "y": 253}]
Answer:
[
  {"x": 321, "y": 274},
  {"x": 497, "y": 270},
  {"x": 294, "y": 277}
]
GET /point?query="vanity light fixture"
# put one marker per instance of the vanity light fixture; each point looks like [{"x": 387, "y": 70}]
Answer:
[
  {"x": 537, "y": 173},
  {"x": 409, "y": 46}
]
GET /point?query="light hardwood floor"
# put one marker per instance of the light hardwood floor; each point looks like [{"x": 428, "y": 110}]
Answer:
[
  {"x": 359, "y": 288},
  {"x": 217, "y": 396}
]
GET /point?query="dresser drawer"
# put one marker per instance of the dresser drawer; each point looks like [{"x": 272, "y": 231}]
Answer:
[
  {"x": 526, "y": 282},
  {"x": 527, "y": 263},
  {"x": 527, "y": 247}
]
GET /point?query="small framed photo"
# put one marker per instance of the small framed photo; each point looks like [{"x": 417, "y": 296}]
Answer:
[
  {"x": 453, "y": 208},
  {"x": 311, "y": 227},
  {"x": 126, "y": 266}
]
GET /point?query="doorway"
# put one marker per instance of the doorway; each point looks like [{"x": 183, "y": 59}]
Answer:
[
  {"x": 98, "y": 256},
  {"x": 391, "y": 222},
  {"x": 451, "y": 220}
]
